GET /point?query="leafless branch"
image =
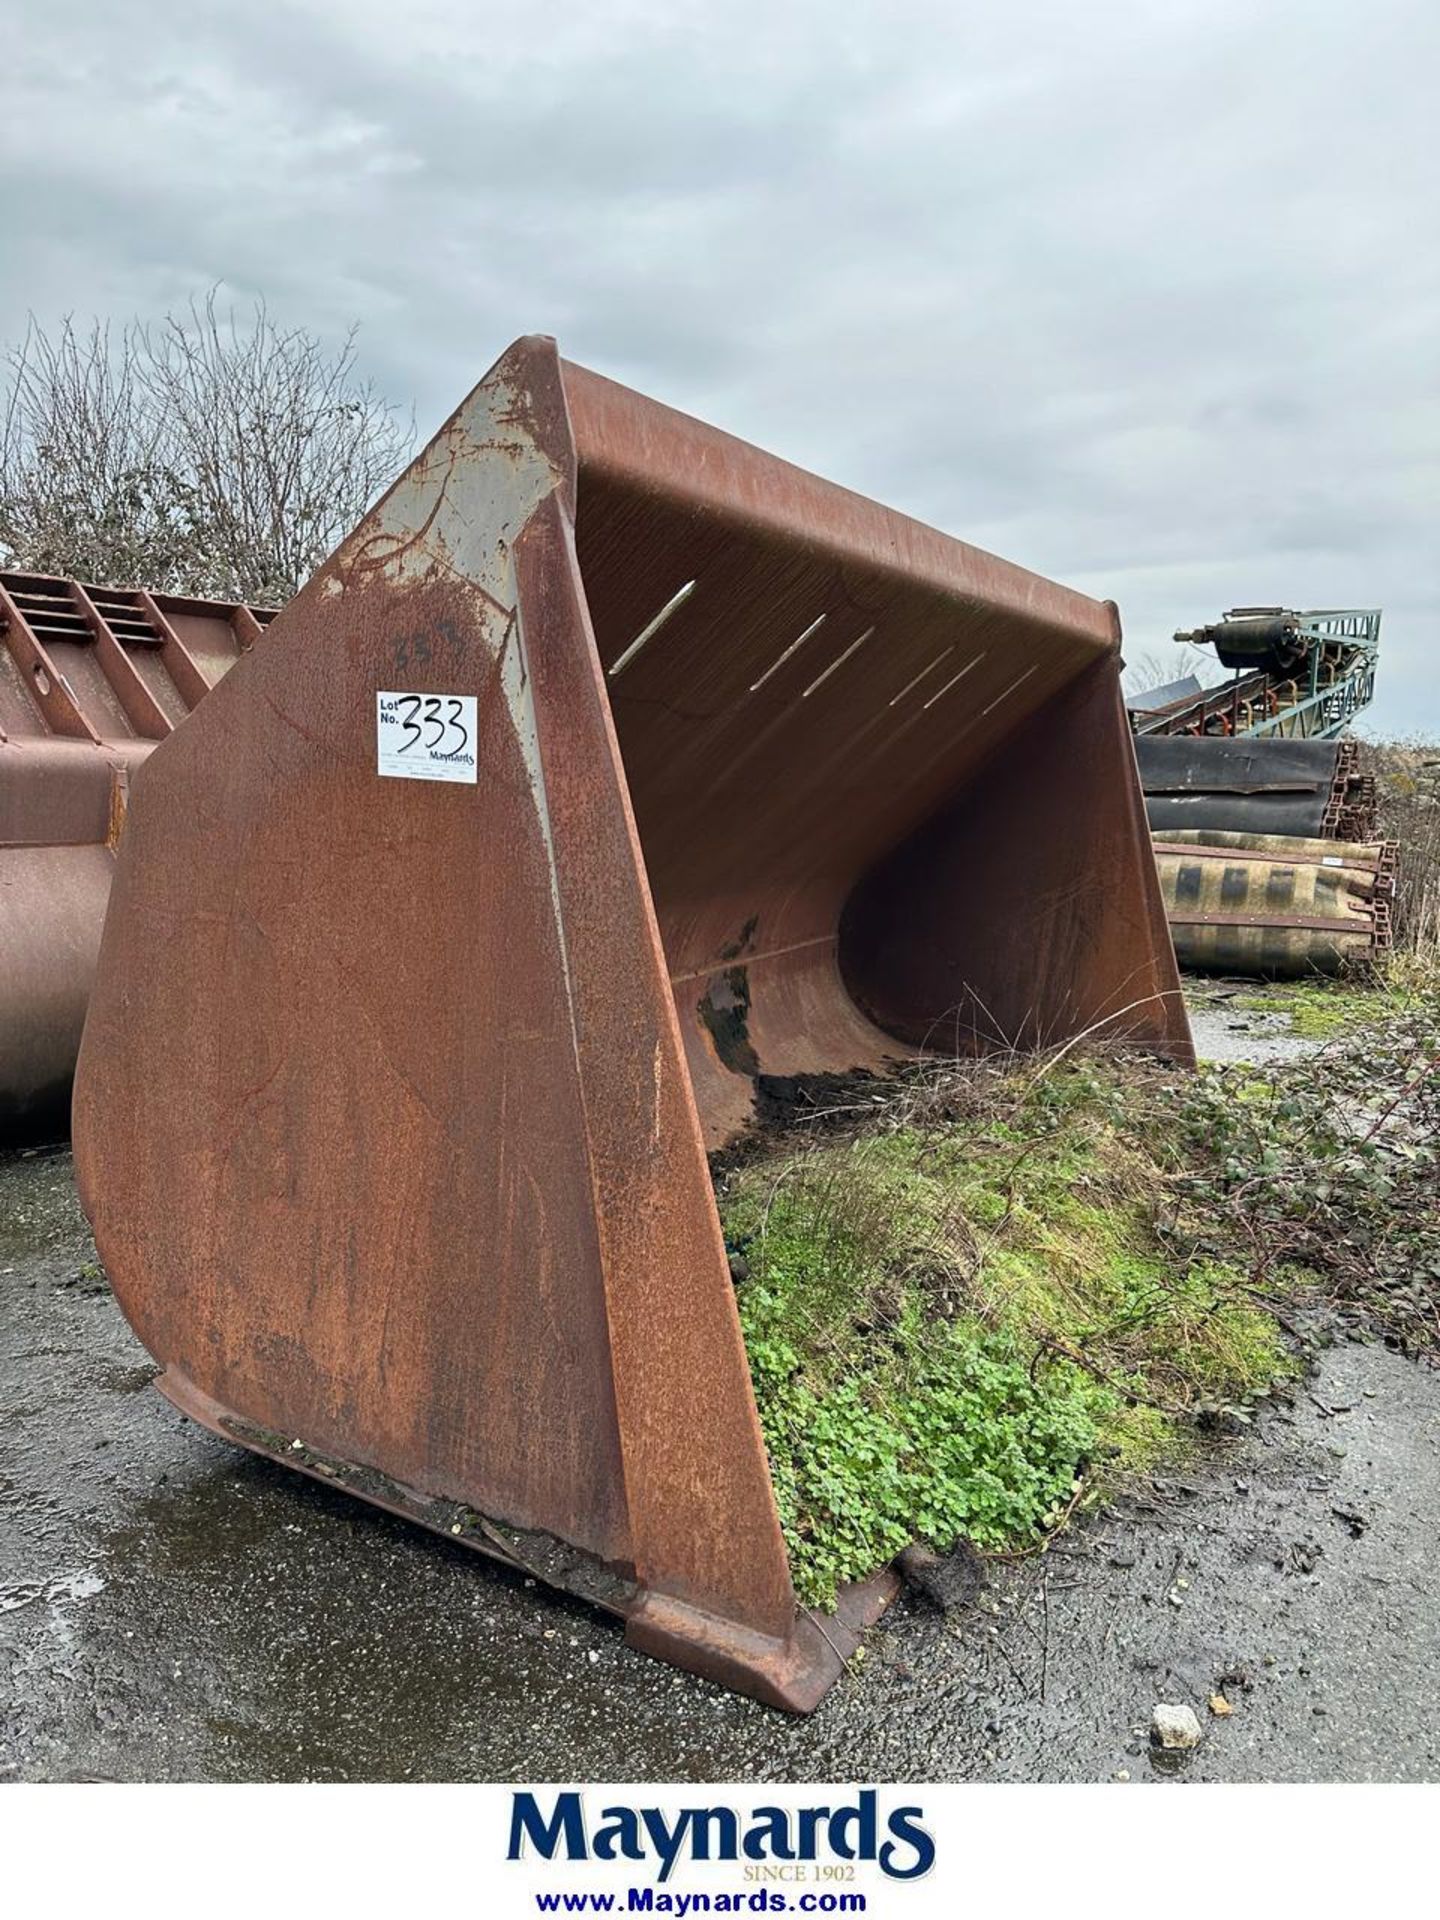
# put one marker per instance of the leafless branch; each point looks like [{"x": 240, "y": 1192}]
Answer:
[{"x": 210, "y": 454}]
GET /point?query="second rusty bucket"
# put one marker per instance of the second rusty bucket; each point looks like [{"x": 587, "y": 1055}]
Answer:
[
  {"x": 90, "y": 679},
  {"x": 610, "y": 766}
]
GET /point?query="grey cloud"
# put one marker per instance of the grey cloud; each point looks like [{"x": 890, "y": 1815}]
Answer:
[{"x": 1144, "y": 296}]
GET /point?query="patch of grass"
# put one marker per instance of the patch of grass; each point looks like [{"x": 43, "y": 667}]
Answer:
[
  {"x": 1018, "y": 1283},
  {"x": 1321, "y": 1175},
  {"x": 967, "y": 1318},
  {"x": 1318, "y": 1008}
]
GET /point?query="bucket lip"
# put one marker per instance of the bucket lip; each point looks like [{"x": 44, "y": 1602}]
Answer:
[
  {"x": 658, "y": 450},
  {"x": 793, "y": 1671}
]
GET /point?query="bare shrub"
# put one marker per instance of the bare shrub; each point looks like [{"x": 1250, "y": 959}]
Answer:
[
  {"x": 211, "y": 454},
  {"x": 1151, "y": 669},
  {"x": 1407, "y": 775}
]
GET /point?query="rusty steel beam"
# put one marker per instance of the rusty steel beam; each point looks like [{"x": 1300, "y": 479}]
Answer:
[
  {"x": 87, "y": 688},
  {"x": 398, "y": 1162}
]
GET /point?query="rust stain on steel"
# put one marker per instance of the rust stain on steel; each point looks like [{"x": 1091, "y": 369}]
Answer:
[
  {"x": 412, "y": 1166},
  {"x": 91, "y": 679}
]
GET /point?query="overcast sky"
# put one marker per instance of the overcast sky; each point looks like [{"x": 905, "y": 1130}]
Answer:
[{"x": 1143, "y": 296}]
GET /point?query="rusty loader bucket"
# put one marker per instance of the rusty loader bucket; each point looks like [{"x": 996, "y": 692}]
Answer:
[
  {"x": 609, "y": 766},
  {"x": 90, "y": 679}
]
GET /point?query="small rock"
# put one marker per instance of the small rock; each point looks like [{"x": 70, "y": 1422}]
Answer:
[
  {"x": 1220, "y": 1706},
  {"x": 1121, "y": 1773},
  {"x": 1175, "y": 1728}
]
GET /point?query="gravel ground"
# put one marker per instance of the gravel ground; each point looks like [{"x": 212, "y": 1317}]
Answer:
[{"x": 1224, "y": 1032}]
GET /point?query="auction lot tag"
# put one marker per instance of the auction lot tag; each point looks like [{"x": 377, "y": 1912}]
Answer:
[{"x": 426, "y": 736}]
